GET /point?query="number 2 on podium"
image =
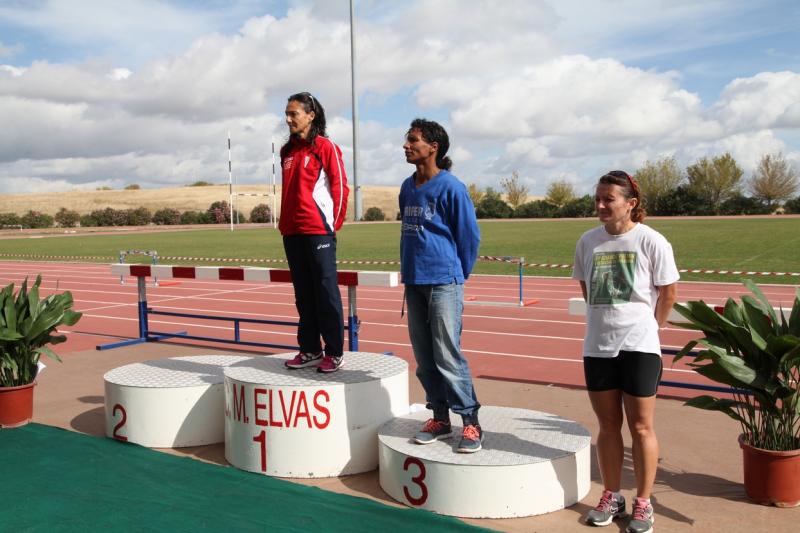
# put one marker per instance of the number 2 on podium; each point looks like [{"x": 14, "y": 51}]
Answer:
[{"x": 122, "y": 420}]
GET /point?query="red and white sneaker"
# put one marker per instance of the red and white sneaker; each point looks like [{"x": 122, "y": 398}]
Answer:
[
  {"x": 330, "y": 364},
  {"x": 304, "y": 360},
  {"x": 471, "y": 439},
  {"x": 642, "y": 519},
  {"x": 434, "y": 430}
]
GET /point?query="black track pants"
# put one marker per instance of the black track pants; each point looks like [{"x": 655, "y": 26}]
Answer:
[{"x": 312, "y": 262}]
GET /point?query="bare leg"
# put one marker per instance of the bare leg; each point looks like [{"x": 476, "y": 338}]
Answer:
[
  {"x": 607, "y": 407},
  {"x": 640, "y": 413}
]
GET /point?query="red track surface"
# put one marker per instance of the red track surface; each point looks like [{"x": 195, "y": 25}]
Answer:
[{"x": 540, "y": 343}]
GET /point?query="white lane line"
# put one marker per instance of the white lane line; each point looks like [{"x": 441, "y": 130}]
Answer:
[
  {"x": 515, "y": 355},
  {"x": 361, "y": 341}
]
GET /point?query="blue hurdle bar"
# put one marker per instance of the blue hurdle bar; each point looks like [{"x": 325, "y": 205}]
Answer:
[{"x": 147, "y": 335}]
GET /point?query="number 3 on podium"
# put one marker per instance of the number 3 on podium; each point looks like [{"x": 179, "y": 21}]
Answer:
[{"x": 418, "y": 480}]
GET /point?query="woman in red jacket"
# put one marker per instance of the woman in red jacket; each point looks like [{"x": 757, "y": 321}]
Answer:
[{"x": 313, "y": 207}]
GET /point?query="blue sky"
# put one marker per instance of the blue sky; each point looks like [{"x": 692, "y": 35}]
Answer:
[{"x": 96, "y": 93}]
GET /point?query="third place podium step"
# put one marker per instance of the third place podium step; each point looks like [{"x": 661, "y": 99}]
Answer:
[{"x": 531, "y": 463}]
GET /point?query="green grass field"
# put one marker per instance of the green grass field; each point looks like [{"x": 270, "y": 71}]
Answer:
[{"x": 761, "y": 244}]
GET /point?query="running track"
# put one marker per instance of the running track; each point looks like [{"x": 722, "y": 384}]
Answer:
[{"x": 540, "y": 343}]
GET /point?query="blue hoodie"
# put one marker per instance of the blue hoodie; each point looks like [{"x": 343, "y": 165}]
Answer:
[{"x": 439, "y": 236}]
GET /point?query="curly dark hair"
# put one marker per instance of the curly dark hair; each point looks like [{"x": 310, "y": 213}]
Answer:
[{"x": 434, "y": 132}]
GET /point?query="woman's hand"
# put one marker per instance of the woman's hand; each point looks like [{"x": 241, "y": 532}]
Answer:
[{"x": 667, "y": 296}]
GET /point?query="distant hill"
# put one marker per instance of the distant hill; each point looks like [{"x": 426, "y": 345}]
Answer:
[{"x": 180, "y": 198}]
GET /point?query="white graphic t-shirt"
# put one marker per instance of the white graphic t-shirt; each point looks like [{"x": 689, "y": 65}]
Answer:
[{"x": 622, "y": 273}]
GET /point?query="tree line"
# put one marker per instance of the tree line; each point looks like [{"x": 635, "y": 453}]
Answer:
[
  {"x": 709, "y": 186},
  {"x": 217, "y": 213}
]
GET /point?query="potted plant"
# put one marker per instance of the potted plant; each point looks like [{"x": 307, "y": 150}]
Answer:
[
  {"x": 27, "y": 327},
  {"x": 755, "y": 350}
]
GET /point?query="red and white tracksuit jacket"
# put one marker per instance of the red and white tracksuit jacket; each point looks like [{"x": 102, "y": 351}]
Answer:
[{"x": 314, "y": 193}]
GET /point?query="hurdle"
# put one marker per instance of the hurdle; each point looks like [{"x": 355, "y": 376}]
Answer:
[
  {"x": 350, "y": 279},
  {"x": 520, "y": 262},
  {"x": 152, "y": 254}
]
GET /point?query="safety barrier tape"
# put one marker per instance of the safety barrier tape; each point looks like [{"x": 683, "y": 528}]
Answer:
[
  {"x": 69, "y": 257},
  {"x": 504, "y": 259},
  {"x": 735, "y": 272}
]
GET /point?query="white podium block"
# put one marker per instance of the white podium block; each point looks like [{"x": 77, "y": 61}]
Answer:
[
  {"x": 305, "y": 424},
  {"x": 531, "y": 463},
  {"x": 168, "y": 403}
]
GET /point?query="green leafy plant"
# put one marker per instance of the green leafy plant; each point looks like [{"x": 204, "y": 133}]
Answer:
[
  {"x": 755, "y": 350},
  {"x": 261, "y": 214},
  {"x": 373, "y": 214},
  {"x": 27, "y": 327}
]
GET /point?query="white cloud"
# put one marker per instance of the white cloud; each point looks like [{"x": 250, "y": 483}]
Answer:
[
  {"x": 529, "y": 152},
  {"x": 10, "y": 50},
  {"x": 766, "y": 100},
  {"x": 496, "y": 74},
  {"x": 790, "y": 118},
  {"x": 746, "y": 148},
  {"x": 459, "y": 153},
  {"x": 578, "y": 96},
  {"x": 8, "y": 70},
  {"x": 636, "y": 29},
  {"x": 34, "y": 184},
  {"x": 118, "y": 74},
  {"x": 381, "y": 157},
  {"x": 137, "y": 28}
]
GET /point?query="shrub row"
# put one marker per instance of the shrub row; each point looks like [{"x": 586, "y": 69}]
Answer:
[
  {"x": 681, "y": 202},
  {"x": 492, "y": 206},
  {"x": 31, "y": 219},
  {"x": 217, "y": 213}
]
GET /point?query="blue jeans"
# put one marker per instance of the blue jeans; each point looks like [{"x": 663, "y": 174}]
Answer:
[{"x": 434, "y": 326}]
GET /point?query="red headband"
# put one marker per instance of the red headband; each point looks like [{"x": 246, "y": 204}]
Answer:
[{"x": 623, "y": 174}]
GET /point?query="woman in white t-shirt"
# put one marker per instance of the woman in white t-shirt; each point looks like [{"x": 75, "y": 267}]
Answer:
[{"x": 628, "y": 277}]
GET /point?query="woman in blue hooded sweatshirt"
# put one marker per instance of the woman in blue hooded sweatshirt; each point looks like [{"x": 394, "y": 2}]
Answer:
[{"x": 438, "y": 248}]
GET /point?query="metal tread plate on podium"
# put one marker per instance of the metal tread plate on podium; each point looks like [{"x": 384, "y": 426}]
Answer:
[
  {"x": 358, "y": 367},
  {"x": 172, "y": 402},
  {"x": 305, "y": 424},
  {"x": 531, "y": 463}
]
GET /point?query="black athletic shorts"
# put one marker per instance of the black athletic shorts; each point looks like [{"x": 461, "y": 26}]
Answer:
[{"x": 635, "y": 373}]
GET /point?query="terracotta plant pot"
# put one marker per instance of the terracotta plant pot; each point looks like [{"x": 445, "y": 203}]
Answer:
[
  {"x": 16, "y": 405},
  {"x": 771, "y": 478}
]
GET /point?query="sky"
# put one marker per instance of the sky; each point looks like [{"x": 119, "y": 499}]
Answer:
[{"x": 107, "y": 94}]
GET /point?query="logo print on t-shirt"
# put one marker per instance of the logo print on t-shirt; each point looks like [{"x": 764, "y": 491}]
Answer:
[
  {"x": 412, "y": 223},
  {"x": 612, "y": 277}
]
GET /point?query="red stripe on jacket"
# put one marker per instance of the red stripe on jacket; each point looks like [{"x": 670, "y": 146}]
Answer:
[{"x": 314, "y": 192}]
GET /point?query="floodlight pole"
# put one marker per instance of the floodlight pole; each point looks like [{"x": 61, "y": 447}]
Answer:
[{"x": 356, "y": 187}]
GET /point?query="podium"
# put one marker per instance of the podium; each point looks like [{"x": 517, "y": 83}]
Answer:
[
  {"x": 168, "y": 403},
  {"x": 531, "y": 463},
  {"x": 305, "y": 424}
]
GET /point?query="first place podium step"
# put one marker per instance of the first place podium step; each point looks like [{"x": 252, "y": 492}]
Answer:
[
  {"x": 305, "y": 424},
  {"x": 531, "y": 463}
]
